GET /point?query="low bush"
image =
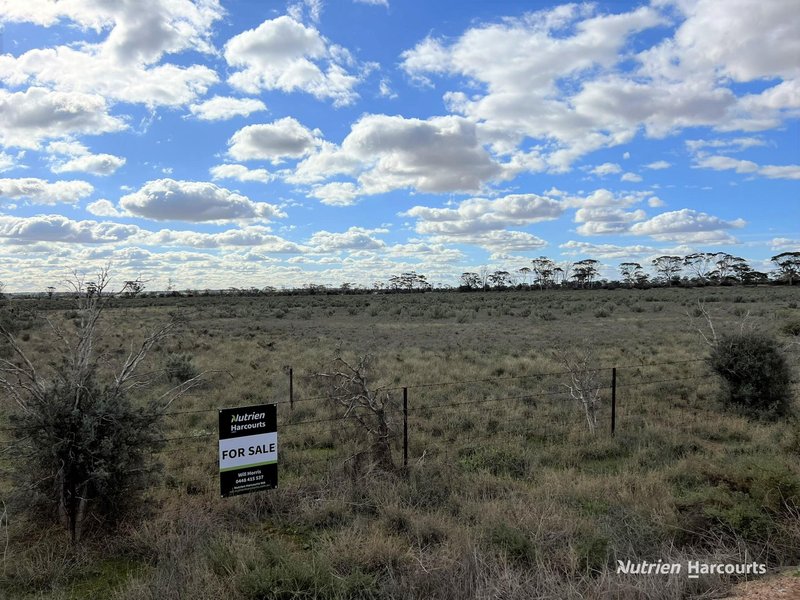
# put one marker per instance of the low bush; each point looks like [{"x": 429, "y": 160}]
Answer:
[
  {"x": 756, "y": 374},
  {"x": 179, "y": 368}
]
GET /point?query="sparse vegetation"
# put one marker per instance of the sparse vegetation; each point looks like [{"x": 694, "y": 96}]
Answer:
[{"x": 507, "y": 493}]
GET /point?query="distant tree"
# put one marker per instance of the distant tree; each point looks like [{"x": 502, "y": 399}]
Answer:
[
  {"x": 729, "y": 267},
  {"x": 559, "y": 274},
  {"x": 584, "y": 271},
  {"x": 524, "y": 272},
  {"x": 2, "y": 289},
  {"x": 470, "y": 281},
  {"x": 543, "y": 270},
  {"x": 701, "y": 264},
  {"x": 50, "y": 290},
  {"x": 788, "y": 264},
  {"x": 667, "y": 267},
  {"x": 483, "y": 273},
  {"x": 409, "y": 281},
  {"x": 631, "y": 272},
  {"x": 134, "y": 287},
  {"x": 499, "y": 279}
]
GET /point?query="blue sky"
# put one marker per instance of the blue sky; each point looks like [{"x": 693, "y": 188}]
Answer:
[{"x": 211, "y": 144}]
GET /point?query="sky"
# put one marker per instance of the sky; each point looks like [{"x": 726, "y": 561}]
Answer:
[{"x": 244, "y": 143}]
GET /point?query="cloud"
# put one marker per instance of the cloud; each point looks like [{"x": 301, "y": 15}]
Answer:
[
  {"x": 220, "y": 108},
  {"x": 276, "y": 141},
  {"x": 477, "y": 215},
  {"x": 103, "y": 208},
  {"x": 606, "y": 169},
  {"x": 7, "y": 162},
  {"x": 658, "y": 165},
  {"x": 606, "y": 220},
  {"x": 724, "y": 145},
  {"x": 631, "y": 177},
  {"x": 27, "y": 118},
  {"x": 194, "y": 201},
  {"x": 373, "y": 2},
  {"x": 436, "y": 155},
  {"x": 253, "y": 236},
  {"x": 58, "y": 228},
  {"x": 240, "y": 173},
  {"x": 687, "y": 226},
  {"x": 336, "y": 193},
  {"x": 606, "y": 251},
  {"x": 569, "y": 77},
  {"x": 725, "y": 163},
  {"x": 125, "y": 64},
  {"x": 355, "y": 238},
  {"x": 498, "y": 243},
  {"x": 721, "y": 163},
  {"x": 723, "y": 36},
  {"x": 283, "y": 54},
  {"x": 80, "y": 159},
  {"x": 780, "y": 171},
  {"x": 785, "y": 244},
  {"x": 39, "y": 191}
]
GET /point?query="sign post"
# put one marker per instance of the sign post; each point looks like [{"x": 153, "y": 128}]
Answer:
[{"x": 248, "y": 449}]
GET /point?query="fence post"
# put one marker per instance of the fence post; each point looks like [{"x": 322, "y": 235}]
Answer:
[
  {"x": 405, "y": 427},
  {"x": 613, "y": 399},
  {"x": 291, "y": 389}
]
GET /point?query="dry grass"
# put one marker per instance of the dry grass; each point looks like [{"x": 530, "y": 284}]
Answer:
[{"x": 505, "y": 496}]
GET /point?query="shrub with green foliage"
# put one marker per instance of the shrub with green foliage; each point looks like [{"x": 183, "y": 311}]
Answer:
[
  {"x": 179, "y": 368},
  {"x": 83, "y": 443},
  {"x": 756, "y": 374}
]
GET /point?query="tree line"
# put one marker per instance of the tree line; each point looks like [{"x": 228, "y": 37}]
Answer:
[{"x": 700, "y": 268}]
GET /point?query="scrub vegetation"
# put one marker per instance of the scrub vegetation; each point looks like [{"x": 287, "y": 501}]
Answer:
[{"x": 508, "y": 492}]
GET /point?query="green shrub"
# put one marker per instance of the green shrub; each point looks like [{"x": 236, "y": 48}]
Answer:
[
  {"x": 791, "y": 327},
  {"x": 756, "y": 374},
  {"x": 514, "y": 542},
  {"x": 179, "y": 368}
]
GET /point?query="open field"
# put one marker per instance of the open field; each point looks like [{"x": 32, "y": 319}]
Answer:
[{"x": 507, "y": 494}]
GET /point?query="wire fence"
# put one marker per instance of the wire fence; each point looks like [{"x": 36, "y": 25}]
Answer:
[{"x": 426, "y": 419}]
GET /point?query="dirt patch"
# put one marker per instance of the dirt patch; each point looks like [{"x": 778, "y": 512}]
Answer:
[{"x": 782, "y": 586}]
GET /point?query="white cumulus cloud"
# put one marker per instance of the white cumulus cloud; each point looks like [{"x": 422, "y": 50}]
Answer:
[
  {"x": 27, "y": 118},
  {"x": 276, "y": 141},
  {"x": 221, "y": 108},
  {"x": 284, "y": 54},
  {"x": 194, "y": 201},
  {"x": 58, "y": 228},
  {"x": 39, "y": 191}
]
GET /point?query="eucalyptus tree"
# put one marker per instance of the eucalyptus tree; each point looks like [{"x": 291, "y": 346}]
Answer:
[{"x": 788, "y": 264}]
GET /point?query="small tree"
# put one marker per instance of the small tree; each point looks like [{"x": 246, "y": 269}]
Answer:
[
  {"x": 369, "y": 407},
  {"x": 756, "y": 374},
  {"x": 584, "y": 382},
  {"x": 82, "y": 440}
]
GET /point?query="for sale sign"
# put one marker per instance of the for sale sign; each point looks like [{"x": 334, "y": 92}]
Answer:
[{"x": 248, "y": 449}]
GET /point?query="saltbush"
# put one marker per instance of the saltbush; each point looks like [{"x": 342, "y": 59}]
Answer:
[{"x": 756, "y": 374}]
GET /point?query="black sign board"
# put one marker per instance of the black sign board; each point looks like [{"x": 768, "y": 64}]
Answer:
[{"x": 248, "y": 449}]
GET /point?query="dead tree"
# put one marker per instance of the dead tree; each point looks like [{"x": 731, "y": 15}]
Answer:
[
  {"x": 584, "y": 382},
  {"x": 350, "y": 391}
]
